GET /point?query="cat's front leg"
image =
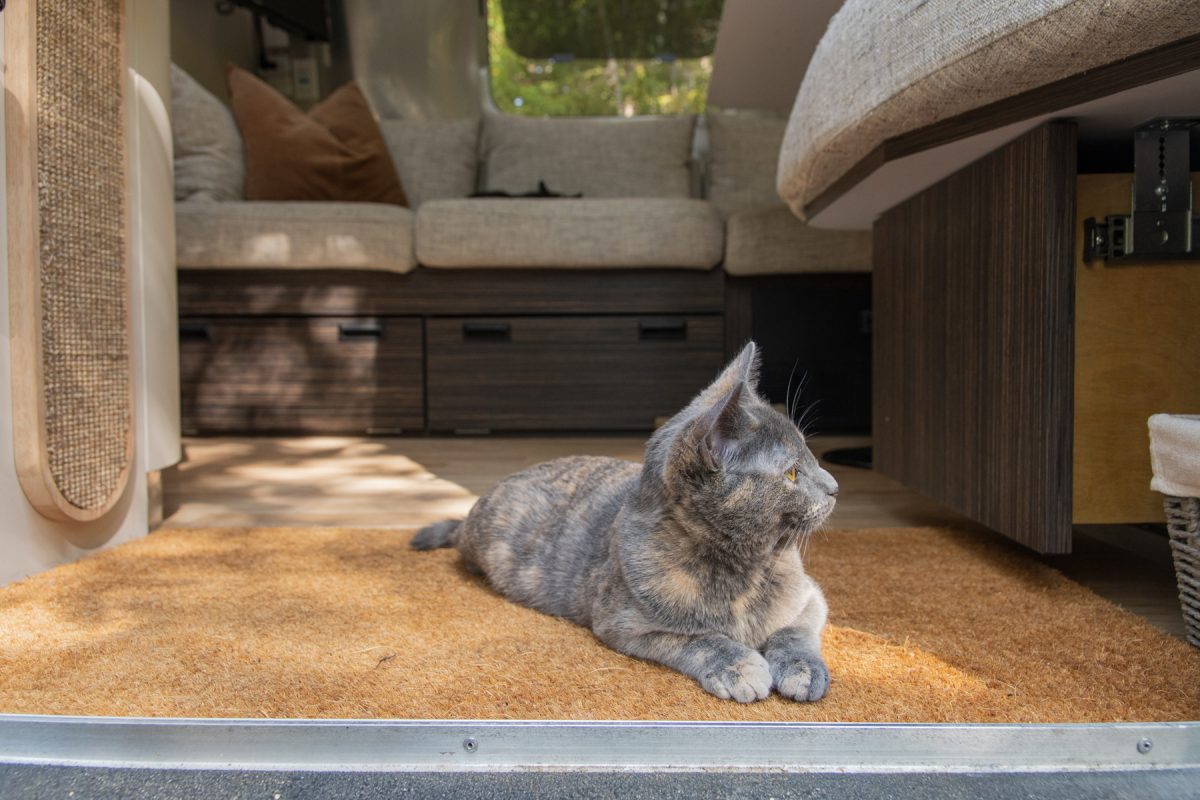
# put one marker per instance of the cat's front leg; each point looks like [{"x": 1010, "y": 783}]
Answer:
[
  {"x": 794, "y": 653},
  {"x": 725, "y": 668}
]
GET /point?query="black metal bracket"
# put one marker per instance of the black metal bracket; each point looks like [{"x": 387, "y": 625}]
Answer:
[{"x": 1162, "y": 225}]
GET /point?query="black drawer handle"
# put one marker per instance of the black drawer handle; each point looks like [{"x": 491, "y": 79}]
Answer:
[
  {"x": 662, "y": 329},
  {"x": 487, "y": 331},
  {"x": 194, "y": 332},
  {"x": 357, "y": 331}
]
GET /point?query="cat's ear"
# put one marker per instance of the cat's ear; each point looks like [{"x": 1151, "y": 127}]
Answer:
[
  {"x": 742, "y": 370},
  {"x": 713, "y": 435},
  {"x": 745, "y": 365}
]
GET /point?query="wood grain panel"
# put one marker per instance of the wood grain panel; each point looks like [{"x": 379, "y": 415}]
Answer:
[
  {"x": 452, "y": 292},
  {"x": 304, "y": 375},
  {"x": 567, "y": 373},
  {"x": 1137, "y": 353},
  {"x": 973, "y": 339}
]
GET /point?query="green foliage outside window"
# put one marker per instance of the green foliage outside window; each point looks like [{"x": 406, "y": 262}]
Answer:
[{"x": 598, "y": 86}]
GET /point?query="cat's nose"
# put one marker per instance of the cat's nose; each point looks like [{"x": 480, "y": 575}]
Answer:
[{"x": 827, "y": 482}]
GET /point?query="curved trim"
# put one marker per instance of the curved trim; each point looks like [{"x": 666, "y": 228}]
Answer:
[{"x": 25, "y": 307}]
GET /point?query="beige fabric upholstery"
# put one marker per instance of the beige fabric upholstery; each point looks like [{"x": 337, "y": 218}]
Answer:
[
  {"x": 598, "y": 157},
  {"x": 435, "y": 159},
  {"x": 743, "y": 151},
  {"x": 569, "y": 233},
  {"x": 294, "y": 235},
  {"x": 209, "y": 163},
  {"x": 770, "y": 240},
  {"x": 884, "y": 69}
]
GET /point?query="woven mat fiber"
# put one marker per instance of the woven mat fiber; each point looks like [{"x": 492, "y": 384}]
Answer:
[{"x": 926, "y": 626}]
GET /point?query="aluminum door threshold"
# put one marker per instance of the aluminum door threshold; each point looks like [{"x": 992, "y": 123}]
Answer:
[{"x": 510, "y": 746}]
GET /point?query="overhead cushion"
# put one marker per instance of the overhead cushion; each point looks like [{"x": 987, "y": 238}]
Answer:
[
  {"x": 569, "y": 233},
  {"x": 294, "y": 236},
  {"x": 885, "y": 69},
  {"x": 595, "y": 157},
  {"x": 743, "y": 152},
  {"x": 436, "y": 159},
  {"x": 208, "y": 148},
  {"x": 770, "y": 240}
]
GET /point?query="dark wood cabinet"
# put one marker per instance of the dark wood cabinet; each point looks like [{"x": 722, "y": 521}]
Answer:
[
  {"x": 567, "y": 372},
  {"x": 301, "y": 374},
  {"x": 974, "y": 340},
  {"x": 348, "y": 351}
]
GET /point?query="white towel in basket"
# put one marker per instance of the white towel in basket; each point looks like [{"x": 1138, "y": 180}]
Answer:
[{"x": 1175, "y": 454}]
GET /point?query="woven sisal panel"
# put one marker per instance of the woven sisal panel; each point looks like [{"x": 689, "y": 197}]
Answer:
[{"x": 81, "y": 219}]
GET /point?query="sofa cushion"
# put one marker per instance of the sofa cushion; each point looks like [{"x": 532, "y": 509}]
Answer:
[
  {"x": 436, "y": 159},
  {"x": 648, "y": 232},
  {"x": 294, "y": 235},
  {"x": 743, "y": 153},
  {"x": 208, "y": 148},
  {"x": 598, "y": 157},
  {"x": 770, "y": 240},
  {"x": 884, "y": 69},
  {"x": 334, "y": 152}
]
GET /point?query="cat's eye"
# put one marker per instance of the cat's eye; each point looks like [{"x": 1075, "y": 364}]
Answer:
[{"x": 790, "y": 474}]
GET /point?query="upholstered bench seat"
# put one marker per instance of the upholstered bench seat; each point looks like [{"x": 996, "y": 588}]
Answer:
[
  {"x": 762, "y": 237},
  {"x": 769, "y": 240},
  {"x": 238, "y": 235},
  {"x": 886, "y": 69},
  {"x": 576, "y": 232}
]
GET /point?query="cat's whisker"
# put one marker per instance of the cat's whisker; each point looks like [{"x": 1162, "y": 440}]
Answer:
[
  {"x": 799, "y": 393},
  {"x": 787, "y": 395},
  {"x": 804, "y": 417}
]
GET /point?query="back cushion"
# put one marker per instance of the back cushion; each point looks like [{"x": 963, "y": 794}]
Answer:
[
  {"x": 332, "y": 153},
  {"x": 743, "y": 156},
  {"x": 596, "y": 157},
  {"x": 209, "y": 163},
  {"x": 436, "y": 159}
]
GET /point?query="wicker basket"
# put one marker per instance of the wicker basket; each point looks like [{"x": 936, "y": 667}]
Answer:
[{"x": 1183, "y": 521}]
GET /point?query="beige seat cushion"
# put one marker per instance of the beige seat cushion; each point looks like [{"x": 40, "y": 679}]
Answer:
[
  {"x": 595, "y": 156},
  {"x": 646, "y": 232},
  {"x": 770, "y": 241},
  {"x": 294, "y": 236},
  {"x": 884, "y": 69}
]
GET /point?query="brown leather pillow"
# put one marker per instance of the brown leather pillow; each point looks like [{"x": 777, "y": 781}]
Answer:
[{"x": 334, "y": 152}]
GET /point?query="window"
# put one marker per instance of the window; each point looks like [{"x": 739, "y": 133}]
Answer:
[{"x": 601, "y": 57}]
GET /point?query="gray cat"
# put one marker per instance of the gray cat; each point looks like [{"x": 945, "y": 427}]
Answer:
[{"x": 691, "y": 560}]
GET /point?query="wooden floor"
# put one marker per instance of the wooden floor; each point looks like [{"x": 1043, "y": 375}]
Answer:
[{"x": 406, "y": 482}]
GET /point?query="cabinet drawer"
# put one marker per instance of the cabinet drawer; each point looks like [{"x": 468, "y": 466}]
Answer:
[
  {"x": 318, "y": 374},
  {"x": 567, "y": 373}
]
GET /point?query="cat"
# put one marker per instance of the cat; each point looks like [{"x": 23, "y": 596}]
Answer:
[{"x": 691, "y": 559}]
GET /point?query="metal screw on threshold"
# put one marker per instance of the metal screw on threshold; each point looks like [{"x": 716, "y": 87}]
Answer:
[
  {"x": 1144, "y": 746},
  {"x": 470, "y": 745}
]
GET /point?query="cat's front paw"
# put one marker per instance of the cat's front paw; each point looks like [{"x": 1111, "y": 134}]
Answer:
[
  {"x": 805, "y": 678},
  {"x": 744, "y": 680}
]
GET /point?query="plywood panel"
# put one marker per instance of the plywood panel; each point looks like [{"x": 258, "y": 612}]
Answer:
[{"x": 1137, "y": 353}]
